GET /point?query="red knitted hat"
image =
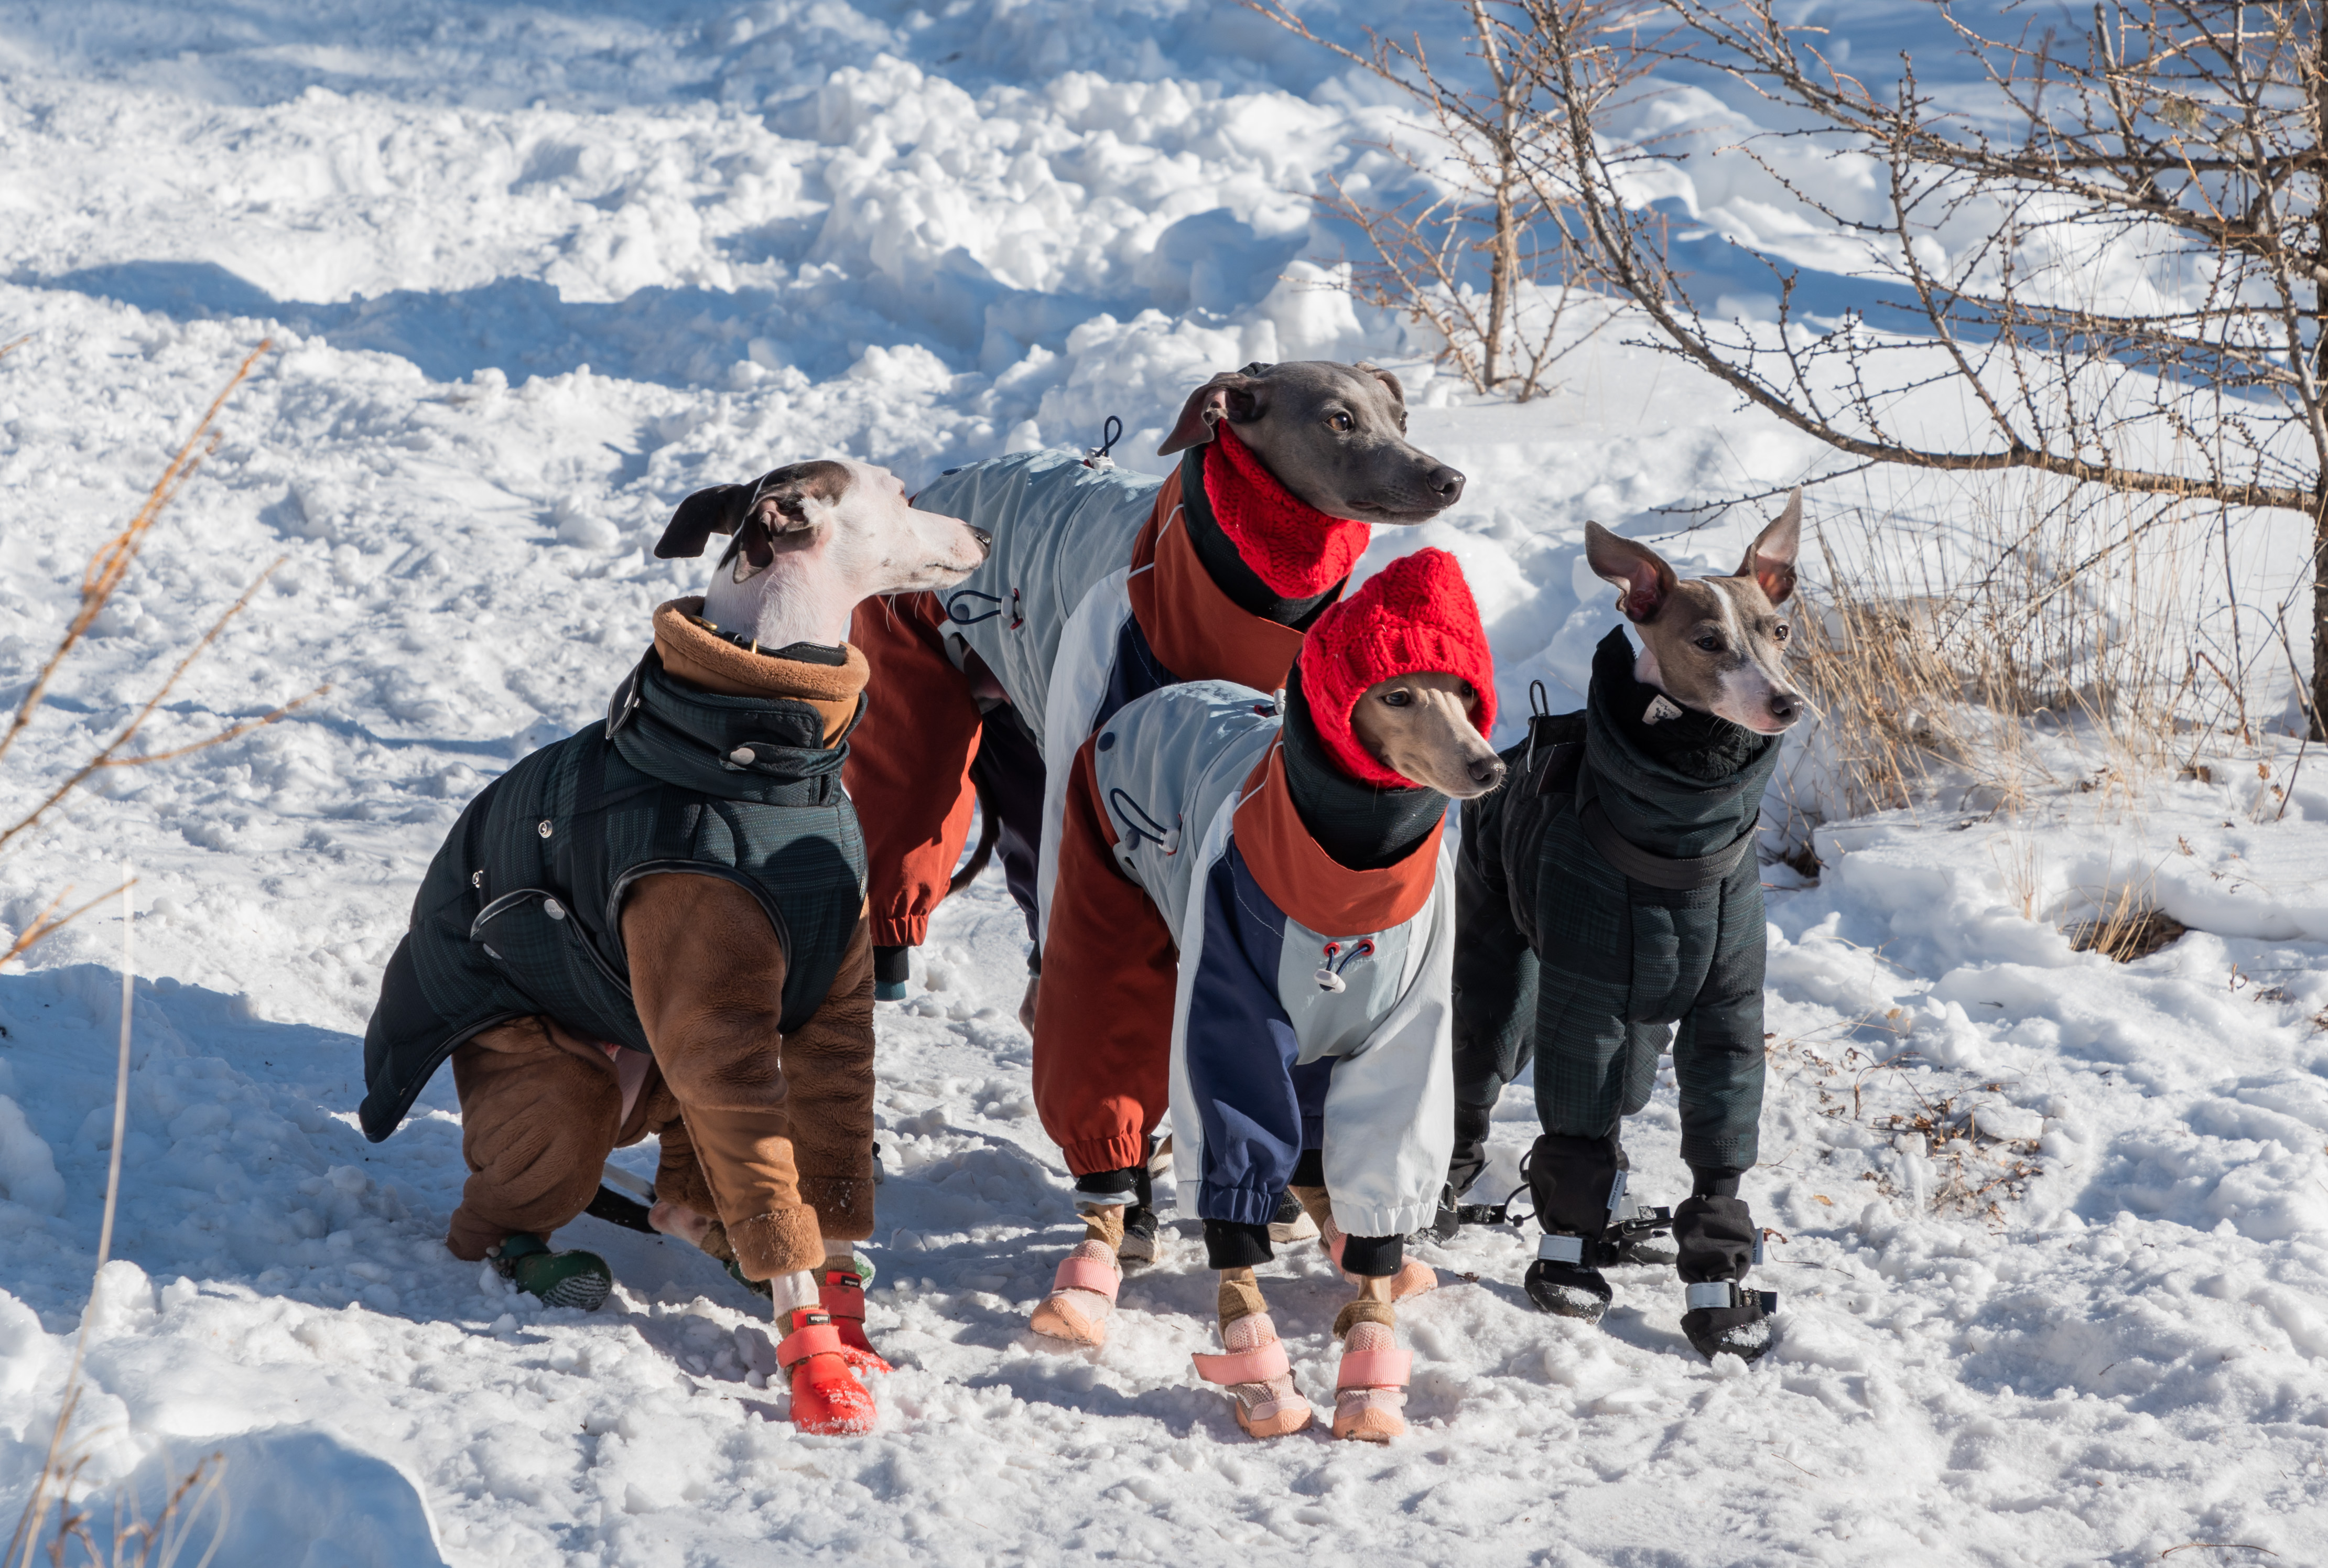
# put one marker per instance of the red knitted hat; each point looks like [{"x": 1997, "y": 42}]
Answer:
[{"x": 1416, "y": 614}]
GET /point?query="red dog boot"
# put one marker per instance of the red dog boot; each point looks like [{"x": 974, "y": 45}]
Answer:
[
  {"x": 827, "y": 1398},
  {"x": 840, "y": 1292}
]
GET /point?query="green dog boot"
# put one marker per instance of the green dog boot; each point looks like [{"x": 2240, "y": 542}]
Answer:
[{"x": 569, "y": 1279}]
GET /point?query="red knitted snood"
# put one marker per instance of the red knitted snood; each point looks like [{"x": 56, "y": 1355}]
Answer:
[{"x": 1293, "y": 547}]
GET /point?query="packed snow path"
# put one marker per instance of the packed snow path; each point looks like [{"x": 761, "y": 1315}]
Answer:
[{"x": 2093, "y": 1327}]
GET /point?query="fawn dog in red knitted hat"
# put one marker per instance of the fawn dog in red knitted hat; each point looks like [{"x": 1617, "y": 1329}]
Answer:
[{"x": 1256, "y": 922}]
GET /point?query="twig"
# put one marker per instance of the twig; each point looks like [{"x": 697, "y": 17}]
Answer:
[
  {"x": 111, "y": 563},
  {"x": 28, "y": 1525}
]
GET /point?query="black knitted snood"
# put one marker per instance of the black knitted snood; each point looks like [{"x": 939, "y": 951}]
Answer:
[
  {"x": 1697, "y": 745},
  {"x": 1362, "y": 826}
]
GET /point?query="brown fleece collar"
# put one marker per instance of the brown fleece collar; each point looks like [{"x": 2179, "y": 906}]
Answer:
[{"x": 699, "y": 656}]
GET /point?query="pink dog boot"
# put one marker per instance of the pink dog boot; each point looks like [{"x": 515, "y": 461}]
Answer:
[
  {"x": 1258, "y": 1377},
  {"x": 1413, "y": 1276},
  {"x": 1370, "y": 1390},
  {"x": 1082, "y": 1298}
]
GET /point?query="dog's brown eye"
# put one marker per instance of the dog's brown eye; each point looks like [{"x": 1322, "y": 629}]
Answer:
[
  {"x": 1397, "y": 698},
  {"x": 1340, "y": 421},
  {"x": 1782, "y": 632},
  {"x": 1711, "y": 644}
]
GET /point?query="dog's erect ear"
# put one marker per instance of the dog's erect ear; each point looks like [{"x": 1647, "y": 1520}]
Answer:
[
  {"x": 1397, "y": 392},
  {"x": 702, "y": 514},
  {"x": 1770, "y": 559},
  {"x": 1233, "y": 395},
  {"x": 1642, "y": 578}
]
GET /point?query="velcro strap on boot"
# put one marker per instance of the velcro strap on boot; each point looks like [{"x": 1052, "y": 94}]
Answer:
[
  {"x": 1258, "y": 1364},
  {"x": 1374, "y": 1370},
  {"x": 1560, "y": 1249},
  {"x": 1721, "y": 1293},
  {"x": 1092, "y": 1274},
  {"x": 841, "y": 1295},
  {"x": 811, "y": 1339}
]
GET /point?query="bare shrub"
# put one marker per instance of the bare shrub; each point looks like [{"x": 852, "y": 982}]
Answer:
[
  {"x": 2177, "y": 140},
  {"x": 1487, "y": 158}
]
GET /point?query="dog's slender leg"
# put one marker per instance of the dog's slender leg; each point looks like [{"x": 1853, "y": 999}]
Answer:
[
  {"x": 1413, "y": 1277},
  {"x": 1083, "y": 1294},
  {"x": 1255, "y": 1370},
  {"x": 1371, "y": 1388}
]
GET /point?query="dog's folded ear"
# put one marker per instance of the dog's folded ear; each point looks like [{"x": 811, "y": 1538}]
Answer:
[
  {"x": 1233, "y": 395},
  {"x": 1770, "y": 559},
  {"x": 1643, "y": 578},
  {"x": 1397, "y": 392},
  {"x": 717, "y": 510}
]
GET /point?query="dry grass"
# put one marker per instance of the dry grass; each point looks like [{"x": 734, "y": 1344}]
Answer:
[
  {"x": 1940, "y": 659},
  {"x": 101, "y": 579}
]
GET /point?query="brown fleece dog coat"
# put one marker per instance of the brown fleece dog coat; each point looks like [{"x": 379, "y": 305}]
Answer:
[{"x": 770, "y": 1135}]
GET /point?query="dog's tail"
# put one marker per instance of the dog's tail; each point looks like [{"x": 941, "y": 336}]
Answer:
[{"x": 990, "y": 829}]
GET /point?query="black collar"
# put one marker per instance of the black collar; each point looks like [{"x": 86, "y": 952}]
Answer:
[{"x": 832, "y": 654}]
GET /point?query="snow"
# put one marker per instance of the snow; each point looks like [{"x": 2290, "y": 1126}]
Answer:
[{"x": 2053, "y": 1282}]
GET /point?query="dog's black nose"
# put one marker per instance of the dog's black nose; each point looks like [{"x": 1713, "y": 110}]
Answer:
[
  {"x": 1785, "y": 706},
  {"x": 1487, "y": 771},
  {"x": 1446, "y": 484},
  {"x": 985, "y": 540}
]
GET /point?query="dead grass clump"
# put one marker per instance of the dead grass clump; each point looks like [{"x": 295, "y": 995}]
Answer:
[
  {"x": 2127, "y": 935},
  {"x": 2043, "y": 638}
]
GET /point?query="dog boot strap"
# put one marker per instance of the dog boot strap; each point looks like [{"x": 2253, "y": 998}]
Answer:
[
  {"x": 815, "y": 1337},
  {"x": 1090, "y": 1275},
  {"x": 1258, "y": 1364},
  {"x": 841, "y": 1294},
  {"x": 1374, "y": 1370}
]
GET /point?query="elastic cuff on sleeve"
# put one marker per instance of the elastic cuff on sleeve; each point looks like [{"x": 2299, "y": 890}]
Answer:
[
  {"x": 1713, "y": 1182},
  {"x": 1373, "y": 1257},
  {"x": 892, "y": 965},
  {"x": 1231, "y": 1245},
  {"x": 1118, "y": 1186}
]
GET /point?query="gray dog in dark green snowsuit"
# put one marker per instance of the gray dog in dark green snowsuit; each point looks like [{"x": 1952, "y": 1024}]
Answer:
[{"x": 1609, "y": 892}]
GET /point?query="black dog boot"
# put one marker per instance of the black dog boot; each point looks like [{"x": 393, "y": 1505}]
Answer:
[
  {"x": 1718, "y": 1241},
  {"x": 1577, "y": 1183}
]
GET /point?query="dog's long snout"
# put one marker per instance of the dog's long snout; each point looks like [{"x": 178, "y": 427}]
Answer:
[{"x": 1446, "y": 484}]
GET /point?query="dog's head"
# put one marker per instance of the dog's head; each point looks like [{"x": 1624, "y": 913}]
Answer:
[
  {"x": 1716, "y": 644},
  {"x": 1424, "y": 726},
  {"x": 1334, "y": 435},
  {"x": 848, "y": 519}
]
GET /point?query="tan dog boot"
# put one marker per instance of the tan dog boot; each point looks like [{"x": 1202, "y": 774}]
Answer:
[
  {"x": 1370, "y": 1387},
  {"x": 1082, "y": 1292},
  {"x": 1255, "y": 1371},
  {"x": 1413, "y": 1277}
]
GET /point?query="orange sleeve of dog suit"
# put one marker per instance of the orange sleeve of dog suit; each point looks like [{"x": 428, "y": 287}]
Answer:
[
  {"x": 708, "y": 973},
  {"x": 908, "y": 767},
  {"x": 1104, "y": 1013}
]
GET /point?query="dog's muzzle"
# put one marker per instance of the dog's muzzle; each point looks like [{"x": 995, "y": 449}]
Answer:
[{"x": 985, "y": 541}]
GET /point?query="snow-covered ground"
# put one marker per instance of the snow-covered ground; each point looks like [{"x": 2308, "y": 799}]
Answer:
[{"x": 532, "y": 275}]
